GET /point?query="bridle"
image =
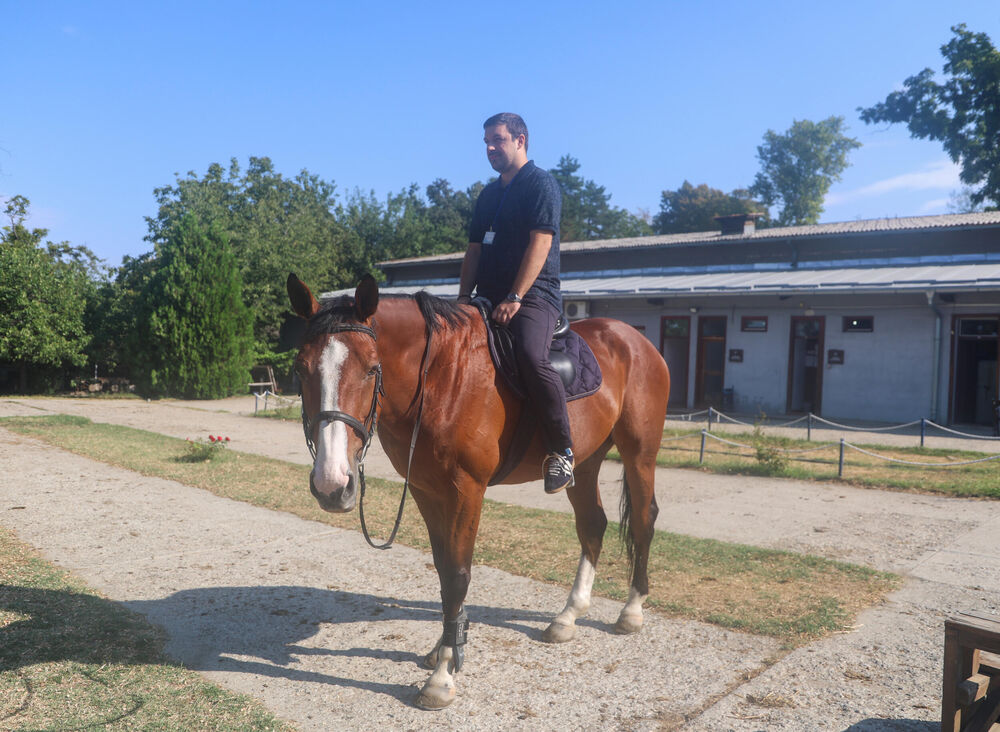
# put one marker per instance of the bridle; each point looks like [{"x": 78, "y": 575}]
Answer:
[{"x": 366, "y": 430}]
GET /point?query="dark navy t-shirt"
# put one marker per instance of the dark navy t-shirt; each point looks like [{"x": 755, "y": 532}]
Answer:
[{"x": 532, "y": 201}]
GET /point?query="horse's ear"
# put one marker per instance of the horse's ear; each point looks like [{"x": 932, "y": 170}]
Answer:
[
  {"x": 366, "y": 298},
  {"x": 302, "y": 298}
]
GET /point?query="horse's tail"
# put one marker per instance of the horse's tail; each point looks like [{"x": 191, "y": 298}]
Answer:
[{"x": 625, "y": 523}]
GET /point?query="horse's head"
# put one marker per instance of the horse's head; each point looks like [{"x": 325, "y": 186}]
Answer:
[{"x": 338, "y": 367}]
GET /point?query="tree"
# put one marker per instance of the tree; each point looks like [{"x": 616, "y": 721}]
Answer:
[
  {"x": 963, "y": 112},
  {"x": 196, "y": 333},
  {"x": 587, "y": 212},
  {"x": 275, "y": 225},
  {"x": 798, "y": 167},
  {"x": 43, "y": 295},
  {"x": 692, "y": 208}
]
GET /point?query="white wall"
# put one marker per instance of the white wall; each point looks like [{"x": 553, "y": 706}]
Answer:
[{"x": 886, "y": 374}]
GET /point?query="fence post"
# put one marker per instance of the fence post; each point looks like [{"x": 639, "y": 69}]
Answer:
[
  {"x": 701, "y": 455},
  {"x": 710, "y": 411},
  {"x": 809, "y": 427},
  {"x": 923, "y": 430},
  {"x": 840, "y": 467}
]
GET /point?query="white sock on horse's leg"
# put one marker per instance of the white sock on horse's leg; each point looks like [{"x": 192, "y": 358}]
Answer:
[{"x": 563, "y": 627}]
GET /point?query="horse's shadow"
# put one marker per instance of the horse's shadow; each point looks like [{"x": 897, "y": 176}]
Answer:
[{"x": 253, "y": 629}]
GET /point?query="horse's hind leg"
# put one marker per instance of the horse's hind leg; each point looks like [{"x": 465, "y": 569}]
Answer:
[
  {"x": 638, "y": 516},
  {"x": 591, "y": 522}
]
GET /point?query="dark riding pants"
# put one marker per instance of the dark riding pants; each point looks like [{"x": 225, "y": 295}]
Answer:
[{"x": 532, "y": 329}]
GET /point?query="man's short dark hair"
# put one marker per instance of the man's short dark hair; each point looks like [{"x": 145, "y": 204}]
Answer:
[{"x": 515, "y": 125}]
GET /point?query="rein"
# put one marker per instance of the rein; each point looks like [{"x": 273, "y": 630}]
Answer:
[{"x": 366, "y": 430}]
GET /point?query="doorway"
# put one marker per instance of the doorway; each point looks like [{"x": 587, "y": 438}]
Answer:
[
  {"x": 975, "y": 370},
  {"x": 711, "y": 365},
  {"x": 675, "y": 345},
  {"x": 805, "y": 366}
]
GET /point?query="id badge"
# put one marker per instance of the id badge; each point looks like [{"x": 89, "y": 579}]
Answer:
[{"x": 488, "y": 237}]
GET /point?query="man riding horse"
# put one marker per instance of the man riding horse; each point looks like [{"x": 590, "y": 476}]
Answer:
[{"x": 513, "y": 261}]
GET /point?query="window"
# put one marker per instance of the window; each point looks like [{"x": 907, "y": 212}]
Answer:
[
  {"x": 859, "y": 324},
  {"x": 676, "y": 327},
  {"x": 754, "y": 324}
]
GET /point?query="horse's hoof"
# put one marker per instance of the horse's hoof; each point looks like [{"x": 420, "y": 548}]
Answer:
[
  {"x": 431, "y": 659},
  {"x": 628, "y": 624},
  {"x": 435, "y": 697},
  {"x": 559, "y": 633}
]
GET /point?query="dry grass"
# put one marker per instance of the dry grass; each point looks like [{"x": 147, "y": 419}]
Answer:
[
  {"x": 793, "y": 597},
  {"x": 72, "y": 660},
  {"x": 980, "y": 480}
]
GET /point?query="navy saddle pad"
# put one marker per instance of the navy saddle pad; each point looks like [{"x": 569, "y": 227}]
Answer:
[{"x": 570, "y": 356}]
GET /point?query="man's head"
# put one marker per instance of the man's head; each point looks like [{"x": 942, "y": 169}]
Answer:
[{"x": 506, "y": 138}]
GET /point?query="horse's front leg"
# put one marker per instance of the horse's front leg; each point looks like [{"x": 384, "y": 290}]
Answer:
[
  {"x": 452, "y": 523},
  {"x": 591, "y": 522}
]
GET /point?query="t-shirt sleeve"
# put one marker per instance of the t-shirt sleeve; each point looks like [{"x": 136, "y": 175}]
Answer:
[{"x": 546, "y": 210}]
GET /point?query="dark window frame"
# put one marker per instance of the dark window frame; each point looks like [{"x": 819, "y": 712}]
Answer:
[
  {"x": 848, "y": 320},
  {"x": 746, "y": 328}
]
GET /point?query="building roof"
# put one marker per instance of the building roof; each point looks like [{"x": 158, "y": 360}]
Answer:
[
  {"x": 839, "y": 229},
  {"x": 853, "y": 280}
]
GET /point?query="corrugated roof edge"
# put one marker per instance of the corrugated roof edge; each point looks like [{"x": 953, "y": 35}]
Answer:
[{"x": 863, "y": 226}]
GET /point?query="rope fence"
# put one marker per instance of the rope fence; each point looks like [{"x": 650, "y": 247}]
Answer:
[
  {"x": 844, "y": 446},
  {"x": 268, "y": 396},
  {"x": 713, "y": 415}
]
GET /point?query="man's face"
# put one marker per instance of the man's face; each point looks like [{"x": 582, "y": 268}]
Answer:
[{"x": 501, "y": 149}]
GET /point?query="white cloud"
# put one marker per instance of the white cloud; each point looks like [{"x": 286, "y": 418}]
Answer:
[
  {"x": 942, "y": 176},
  {"x": 937, "y": 205}
]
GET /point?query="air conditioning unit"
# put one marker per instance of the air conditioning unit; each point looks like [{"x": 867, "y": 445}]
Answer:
[{"x": 577, "y": 309}]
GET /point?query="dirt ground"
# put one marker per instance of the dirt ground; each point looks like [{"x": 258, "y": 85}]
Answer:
[{"x": 328, "y": 633}]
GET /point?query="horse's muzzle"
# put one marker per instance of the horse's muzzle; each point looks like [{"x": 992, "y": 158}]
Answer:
[{"x": 340, "y": 500}]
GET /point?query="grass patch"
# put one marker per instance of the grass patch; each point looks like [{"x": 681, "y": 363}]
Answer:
[
  {"x": 70, "y": 659},
  {"x": 790, "y": 596},
  {"x": 292, "y": 413},
  {"x": 680, "y": 449}
]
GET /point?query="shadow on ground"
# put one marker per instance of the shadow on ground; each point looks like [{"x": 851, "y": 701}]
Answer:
[{"x": 259, "y": 630}]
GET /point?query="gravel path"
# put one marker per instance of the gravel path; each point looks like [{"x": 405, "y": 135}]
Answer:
[{"x": 328, "y": 633}]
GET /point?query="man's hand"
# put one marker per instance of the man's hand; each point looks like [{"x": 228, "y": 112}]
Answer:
[{"x": 505, "y": 311}]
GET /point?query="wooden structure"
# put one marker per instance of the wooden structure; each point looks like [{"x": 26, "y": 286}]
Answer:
[
  {"x": 970, "y": 698},
  {"x": 263, "y": 380}
]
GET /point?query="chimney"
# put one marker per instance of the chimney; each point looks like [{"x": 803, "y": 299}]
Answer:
[{"x": 743, "y": 224}]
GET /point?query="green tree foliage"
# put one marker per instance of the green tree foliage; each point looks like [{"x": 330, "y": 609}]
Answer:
[
  {"x": 963, "y": 112},
  {"x": 275, "y": 225},
  {"x": 44, "y": 291},
  {"x": 408, "y": 224},
  {"x": 798, "y": 167},
  {"x": 113, "y": 317},
  {"x": 693, "y": 208},
  {"x": 194, "y": 336},
  {"x": 587, "y": 212}
]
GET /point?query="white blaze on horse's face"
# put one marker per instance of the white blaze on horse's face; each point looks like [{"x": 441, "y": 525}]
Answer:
[{"x": 332, "y": 469}]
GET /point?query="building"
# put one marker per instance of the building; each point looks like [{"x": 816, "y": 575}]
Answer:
[{"x": 884, "y": 319}]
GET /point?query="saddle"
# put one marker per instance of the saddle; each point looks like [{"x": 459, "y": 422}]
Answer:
[{"x": 569, "y": 355}]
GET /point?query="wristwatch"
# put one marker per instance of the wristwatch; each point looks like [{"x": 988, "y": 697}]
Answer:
[{"x": 513, "y": 297}]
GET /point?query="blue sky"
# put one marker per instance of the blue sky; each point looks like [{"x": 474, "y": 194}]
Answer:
[{"x": 103, "y": 102}]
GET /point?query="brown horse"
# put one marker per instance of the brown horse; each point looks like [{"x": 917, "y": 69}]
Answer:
[{"x": 426, "y": 356}]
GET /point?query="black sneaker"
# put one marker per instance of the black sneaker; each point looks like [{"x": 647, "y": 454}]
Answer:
[{"x": 558, "y": 471}]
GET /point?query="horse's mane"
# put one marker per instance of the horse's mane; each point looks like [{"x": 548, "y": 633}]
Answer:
[{"x": 436, "y": 312}]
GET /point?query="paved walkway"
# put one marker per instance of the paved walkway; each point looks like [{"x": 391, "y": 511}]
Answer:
[{"x": 885, "y": 675}]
